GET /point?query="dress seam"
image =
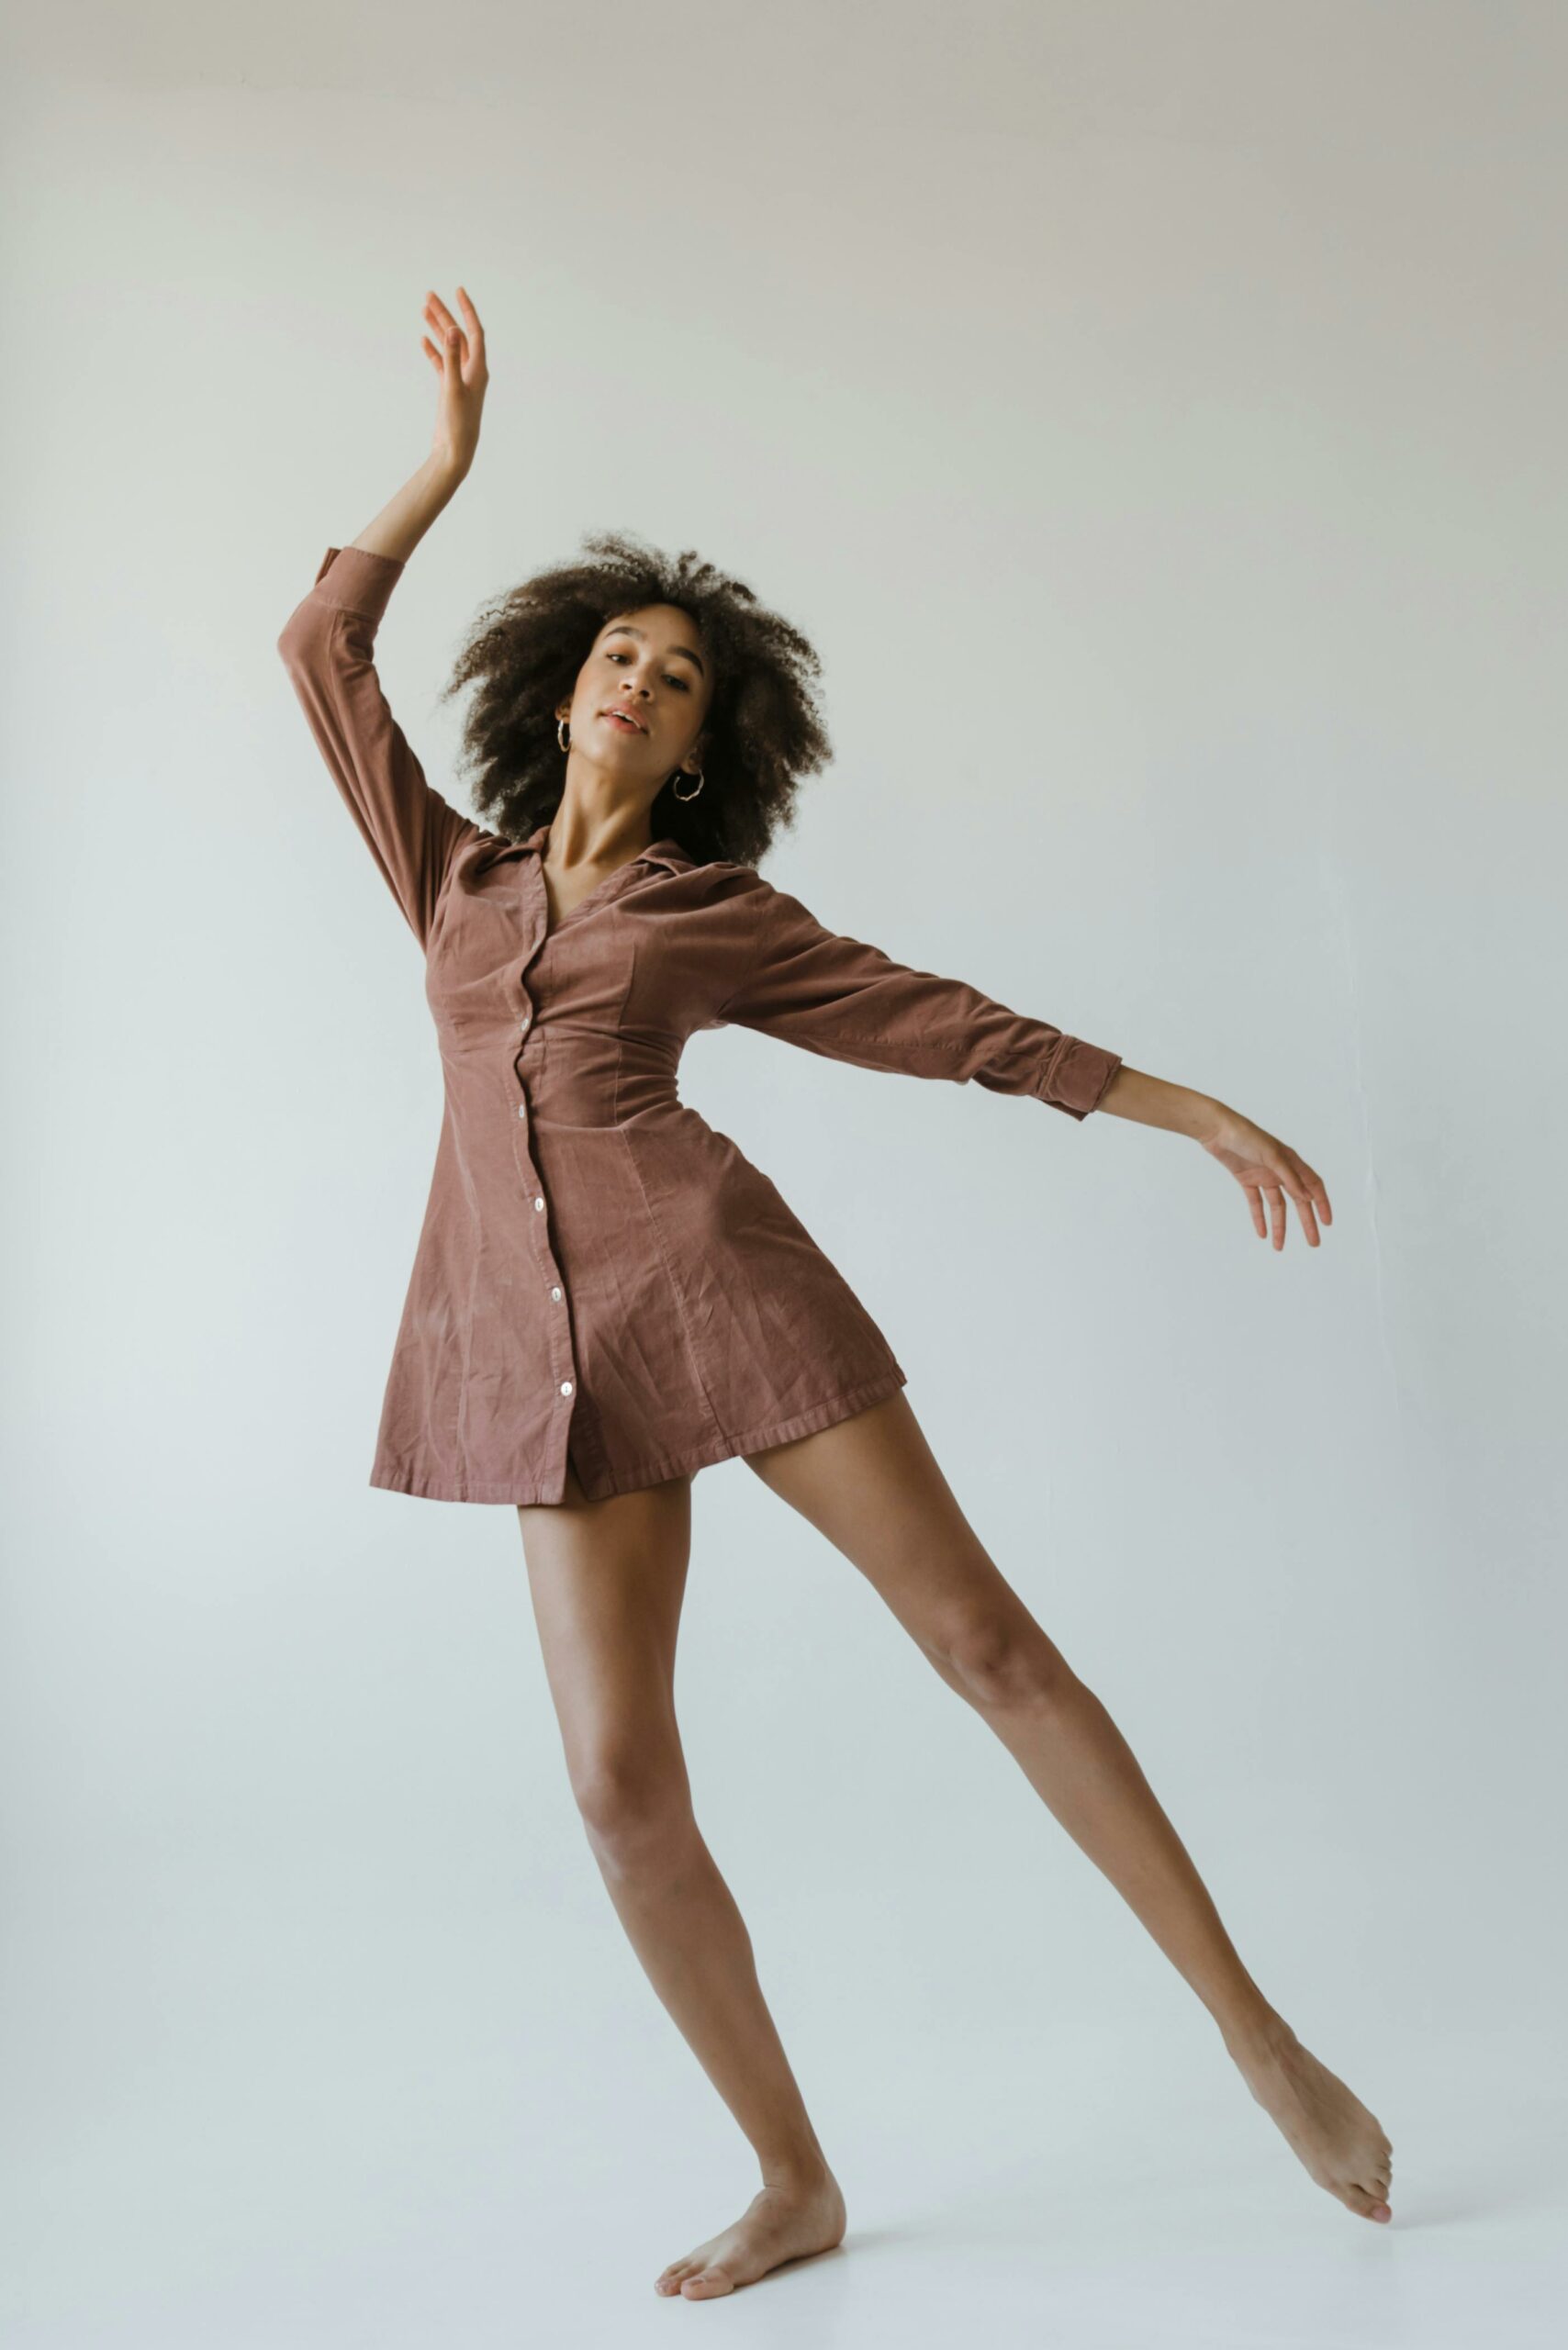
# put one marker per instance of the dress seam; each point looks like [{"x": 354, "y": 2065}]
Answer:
[
  {"x": 620, "y": 1035},
  {"x": 674, "y": 1286},
  {"x": 776, "y": 1431}
]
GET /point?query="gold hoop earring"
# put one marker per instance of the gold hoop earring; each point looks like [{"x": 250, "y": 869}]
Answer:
[
  {"x": 675, "y": 786},
  {"x": 561, "y": 732}
]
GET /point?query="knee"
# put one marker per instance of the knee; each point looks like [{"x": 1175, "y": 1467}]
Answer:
[
  {"x": 636, "y": 1808},
  {"x": 1000, "y": 1660}
]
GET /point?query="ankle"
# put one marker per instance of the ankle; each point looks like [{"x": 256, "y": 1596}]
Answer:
[
  {"x": 1258, "y": 2032},
  {"x": 800, "y": 2172}
]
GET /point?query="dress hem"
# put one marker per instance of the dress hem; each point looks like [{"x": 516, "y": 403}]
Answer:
[{"x": 422, "y": 1487}]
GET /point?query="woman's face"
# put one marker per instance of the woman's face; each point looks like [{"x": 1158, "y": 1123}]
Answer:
[{"x": 651, "y": 663}]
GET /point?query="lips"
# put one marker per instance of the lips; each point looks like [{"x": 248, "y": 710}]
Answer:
[{"x": 623, "y": 717}]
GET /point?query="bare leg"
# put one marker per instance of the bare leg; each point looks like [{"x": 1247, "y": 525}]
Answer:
[
  {"x": 607, "y": 1580},
  {"x": 871, "y": 1485}
]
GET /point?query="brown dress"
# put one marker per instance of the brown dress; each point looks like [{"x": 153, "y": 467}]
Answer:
[{"x": 601, "y": 1275}]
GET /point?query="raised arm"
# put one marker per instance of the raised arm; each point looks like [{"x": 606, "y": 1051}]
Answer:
[
  {"x": 326, "y": 645},
  {"x": 411, "y": 832},
  {"x": 837, "y": 996}
]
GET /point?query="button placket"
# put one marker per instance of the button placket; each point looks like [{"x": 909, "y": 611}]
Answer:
[{"x": 567, "y": 1387}]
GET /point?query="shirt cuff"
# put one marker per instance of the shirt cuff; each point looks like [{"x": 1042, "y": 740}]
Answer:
[
  {"x": 1079, "y": 1075},
  {"x": 352, "y": 580}
]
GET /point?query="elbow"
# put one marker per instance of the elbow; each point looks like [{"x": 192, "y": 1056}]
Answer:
[{"x": 300, "y": 640}]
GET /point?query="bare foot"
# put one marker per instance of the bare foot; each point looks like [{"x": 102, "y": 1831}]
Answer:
[
  {"x": 1342, "y": 2146},
  {"x": 779, "y": 2223}
]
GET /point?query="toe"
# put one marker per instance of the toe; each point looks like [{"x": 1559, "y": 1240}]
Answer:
[{"x": 708, "y": 2282}]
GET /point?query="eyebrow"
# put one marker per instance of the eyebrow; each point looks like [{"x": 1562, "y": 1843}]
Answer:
[{"x": 676, "y": 652}]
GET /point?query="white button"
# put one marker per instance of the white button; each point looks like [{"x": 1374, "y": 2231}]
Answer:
[
  {"x": 554, "y": 1292},
  {"x": 522, "y": 1109},
  {"x": 539, "y": 1204},
  {"x": 523, "y": 1022},
  {"x": 566, "y": 1386}
]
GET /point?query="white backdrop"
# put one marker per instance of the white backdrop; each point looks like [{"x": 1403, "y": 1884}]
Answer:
[{"x": 1154, "y": 415}]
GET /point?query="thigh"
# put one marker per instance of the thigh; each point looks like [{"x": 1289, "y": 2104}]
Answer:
[
  {"x": 607, "y": 1580},
  {"x": 872, "y": 1485}
]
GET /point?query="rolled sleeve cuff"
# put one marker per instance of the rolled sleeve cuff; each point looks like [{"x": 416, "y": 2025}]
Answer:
[
  {"x": 1076, "y": 1075},
  {"x": 352, "y": 580}
]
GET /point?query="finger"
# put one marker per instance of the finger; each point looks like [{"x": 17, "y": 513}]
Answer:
[
  {"x": 1276, "y": 1214},
  {"x": 1308, "y": 1221},
  {"x": 1313, "y": 1185},
  {"x": 432, "y": 355},
  {"x": 448, "y": 334},
  {"x": 1256, "y": 1205},
  {"x": 444, "y": 332},
  {"x": 474, "y": 370},
  {"x": 1298, "y": 1193}
]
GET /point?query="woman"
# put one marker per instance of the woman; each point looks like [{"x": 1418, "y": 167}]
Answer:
[{"x": 607, "y": 1295}]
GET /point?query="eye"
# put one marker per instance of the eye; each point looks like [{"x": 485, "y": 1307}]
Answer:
[{"x": 684, "y": 683}]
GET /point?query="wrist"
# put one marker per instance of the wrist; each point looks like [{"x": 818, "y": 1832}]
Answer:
[
  {"x": 1209, "y": 1119},
  {"x": 1214, "y": 1122},
  {"x": 1155, "y": 1102},
  {"x": 446, "y": 471}
]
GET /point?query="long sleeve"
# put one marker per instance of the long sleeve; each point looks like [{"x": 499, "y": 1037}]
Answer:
[
  {"x": 841, "y": 998},
  {"x": 326, "y": 645}
]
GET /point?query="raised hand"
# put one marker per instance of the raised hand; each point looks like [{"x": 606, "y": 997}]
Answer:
[
  {"x": 457, "y": 355},
  {"x": 1268, "y": 1169}
]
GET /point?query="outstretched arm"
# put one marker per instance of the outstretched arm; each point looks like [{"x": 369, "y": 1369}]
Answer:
[{"x": 840, "y": 997}]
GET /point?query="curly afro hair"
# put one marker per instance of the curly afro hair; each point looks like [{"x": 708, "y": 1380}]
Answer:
[{"x": 762, "y": 731}]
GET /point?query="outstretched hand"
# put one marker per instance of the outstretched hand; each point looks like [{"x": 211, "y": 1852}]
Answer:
[
  {"x": 1269, "y": 1170},
  {"x": 458, "y": 358}
]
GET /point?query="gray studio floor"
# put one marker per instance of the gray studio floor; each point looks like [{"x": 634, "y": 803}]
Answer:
[{"x": 1104, "y": 2187}]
